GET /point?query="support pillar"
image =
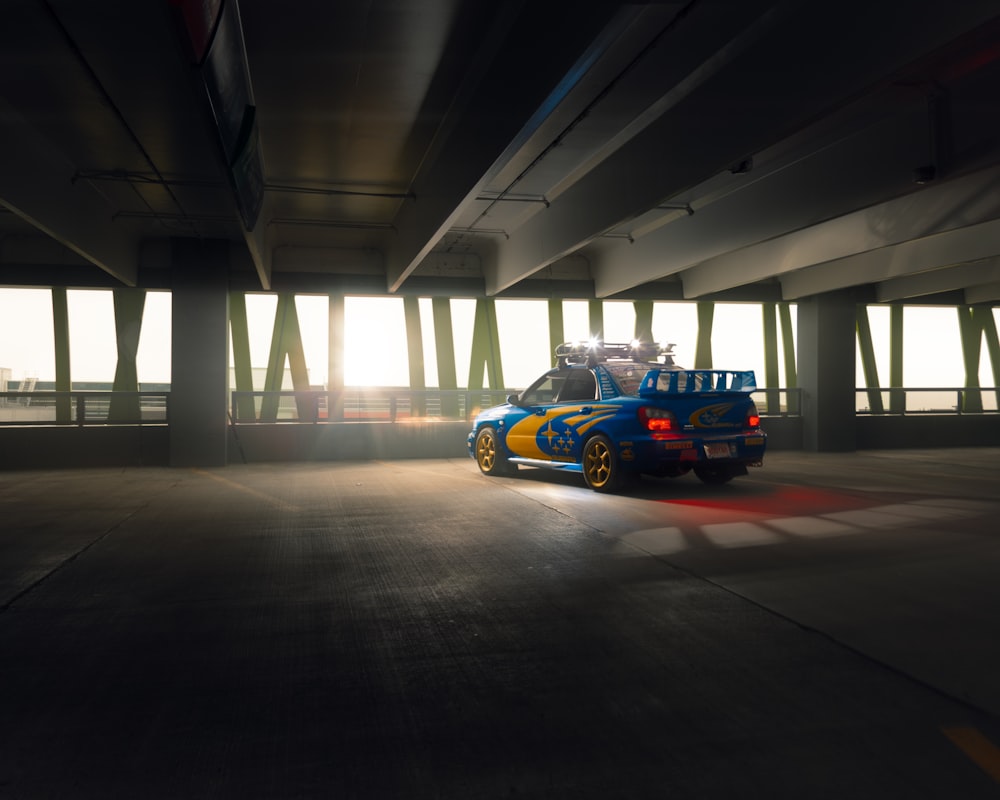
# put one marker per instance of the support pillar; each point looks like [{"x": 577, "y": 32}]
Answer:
[
  {"x": 557, "y": 329},
  {"x": 826, "y": 370},
  {"x": 199, "y": 373},
  {"x": 703, "y": 346},
  {"x": 337, "y": 327},
  {"x": 643, "y": 320},
  {"x": 60, "y": 330},
  {"x": 596, "y": 312}
]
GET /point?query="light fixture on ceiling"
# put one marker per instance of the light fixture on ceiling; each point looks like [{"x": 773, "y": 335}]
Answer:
[{"x": 742, "y": 166}]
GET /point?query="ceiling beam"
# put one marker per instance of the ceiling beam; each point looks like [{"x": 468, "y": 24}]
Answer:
[
  {"x": 971, "y": 243},
  {"x": 947, "y": 279},
  {"x": 764, "y": 98},
  {"x": 36, "y": 183},
  {"x": 785, "y": 193},
  {"x": 987, "y": 293},
  {"x": 659, "y": 159},
  {"x": 502, "y": 103},
  {"x": 932, "y": 210}
]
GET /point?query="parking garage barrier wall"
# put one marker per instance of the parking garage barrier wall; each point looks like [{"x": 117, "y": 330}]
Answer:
[{"x": 103, "y": 428}]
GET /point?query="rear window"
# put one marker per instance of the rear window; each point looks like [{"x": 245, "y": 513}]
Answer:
[{"x": 629, "y": 376}]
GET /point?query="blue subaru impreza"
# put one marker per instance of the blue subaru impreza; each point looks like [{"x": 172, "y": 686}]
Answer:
[{"x": 615, "y": 411}]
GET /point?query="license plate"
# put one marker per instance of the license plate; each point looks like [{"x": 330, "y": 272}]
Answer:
[{"x": 717, "y": 450}]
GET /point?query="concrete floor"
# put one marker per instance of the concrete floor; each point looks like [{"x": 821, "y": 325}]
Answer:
[{"x": 826, "y": 627}]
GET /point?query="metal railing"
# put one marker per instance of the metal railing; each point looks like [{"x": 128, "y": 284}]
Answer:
[
  {"x": 950, "y": 400},
  {"x": 778, "y": 402},
  {"x": 84, "y": 408},
  {"x": 394, "y": 405},
  {"x": 361, "y": 405}
]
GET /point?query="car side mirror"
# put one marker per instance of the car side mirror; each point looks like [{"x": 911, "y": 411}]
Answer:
[{"x": 513, "y": 399}]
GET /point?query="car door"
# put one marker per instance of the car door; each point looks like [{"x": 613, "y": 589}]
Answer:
[
  {"x": 554, "y": 408},
  {"x": 524, "y": 423}
]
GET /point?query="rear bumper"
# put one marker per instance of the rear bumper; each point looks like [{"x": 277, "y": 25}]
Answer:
[{"x": 650, "y": 454}]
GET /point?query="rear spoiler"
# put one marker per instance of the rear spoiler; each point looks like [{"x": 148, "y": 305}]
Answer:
[{"x": 692, "y": 381}]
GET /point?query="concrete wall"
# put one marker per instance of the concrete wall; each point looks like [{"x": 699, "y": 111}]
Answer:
[
  {"x": 928, "y": 430},
  {"x": 347, "y": 441},
  {"x": 65, "y": 446},
  {"x": 58, "y": 447}
]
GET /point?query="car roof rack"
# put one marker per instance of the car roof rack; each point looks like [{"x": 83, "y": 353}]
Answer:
[{"x": 598, "y": 352}]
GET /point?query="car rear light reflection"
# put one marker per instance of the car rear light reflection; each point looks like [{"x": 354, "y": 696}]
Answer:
[{"x": 657, "y": 419}]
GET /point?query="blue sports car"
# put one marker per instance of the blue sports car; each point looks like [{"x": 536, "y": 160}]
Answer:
[{"x": 615, "y": 411}]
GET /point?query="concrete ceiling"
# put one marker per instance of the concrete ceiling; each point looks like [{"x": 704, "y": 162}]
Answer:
[{"x": 743, "y": 149}]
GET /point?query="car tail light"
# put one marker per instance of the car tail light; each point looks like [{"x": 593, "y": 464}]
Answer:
[
  {"x": 753, "y": 418},
  {"x": 657, "y": 419}
]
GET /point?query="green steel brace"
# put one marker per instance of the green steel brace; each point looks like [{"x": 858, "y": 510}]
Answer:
[
  {"x": 788, "y": 346},
  {"x": 485, "y": 347},
  {"x": 336, "y": 332},
  {"x": 242, "y": 367},
  {"x": 868, "y": 365},
  {"x": 771, "y": 375},
  {"x": 444, "y": 341},
  {"x": 703, "y": 347},
  {"x": 975, "y": 323},
  {"x": 286, "y": 340},
  {"x": 897, "y": 397},
  {"x": 596, "y": 317},
  {"x": 415, "y": 352},
  {"x": 557, "y": 328},
  {"x": 129, "y": 304},
  {"x": 972, "y": 346},
  {"x": 60, "y": 330},
  {"x": 986, "y": 320}
]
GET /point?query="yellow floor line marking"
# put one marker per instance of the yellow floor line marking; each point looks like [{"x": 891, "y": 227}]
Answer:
[
  {"x": 977, "y": 747},
  {"x": 281, "y": 504}
]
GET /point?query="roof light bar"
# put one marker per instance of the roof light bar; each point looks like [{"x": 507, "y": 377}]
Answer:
[{"x": 596, "y": 351}]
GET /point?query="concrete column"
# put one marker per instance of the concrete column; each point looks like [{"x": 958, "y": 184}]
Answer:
[
  {"x": 826, "y": 371},
  {"x": 199, "y": 373},
  {"x": 60, "y": 332}
]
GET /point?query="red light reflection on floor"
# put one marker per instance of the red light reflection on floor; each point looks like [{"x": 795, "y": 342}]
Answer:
[{"x": 784, "y": 501}]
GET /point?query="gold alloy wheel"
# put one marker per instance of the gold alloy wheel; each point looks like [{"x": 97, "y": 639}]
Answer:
[
  {"x": 597, "y": 463},
  {"x": 486, "y": 450}
]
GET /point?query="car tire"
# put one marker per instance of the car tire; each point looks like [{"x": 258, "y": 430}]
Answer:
[
  {"x": 714, "y": 474},
  {"x": 488, "y": 456},
  {"x": 601, "y": 469}
]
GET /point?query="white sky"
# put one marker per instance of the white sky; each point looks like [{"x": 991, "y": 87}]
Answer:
[{"x": 376, "y": 336}]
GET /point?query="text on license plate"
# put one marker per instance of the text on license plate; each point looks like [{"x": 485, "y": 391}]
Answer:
[{"x": 717, "y": 450}]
